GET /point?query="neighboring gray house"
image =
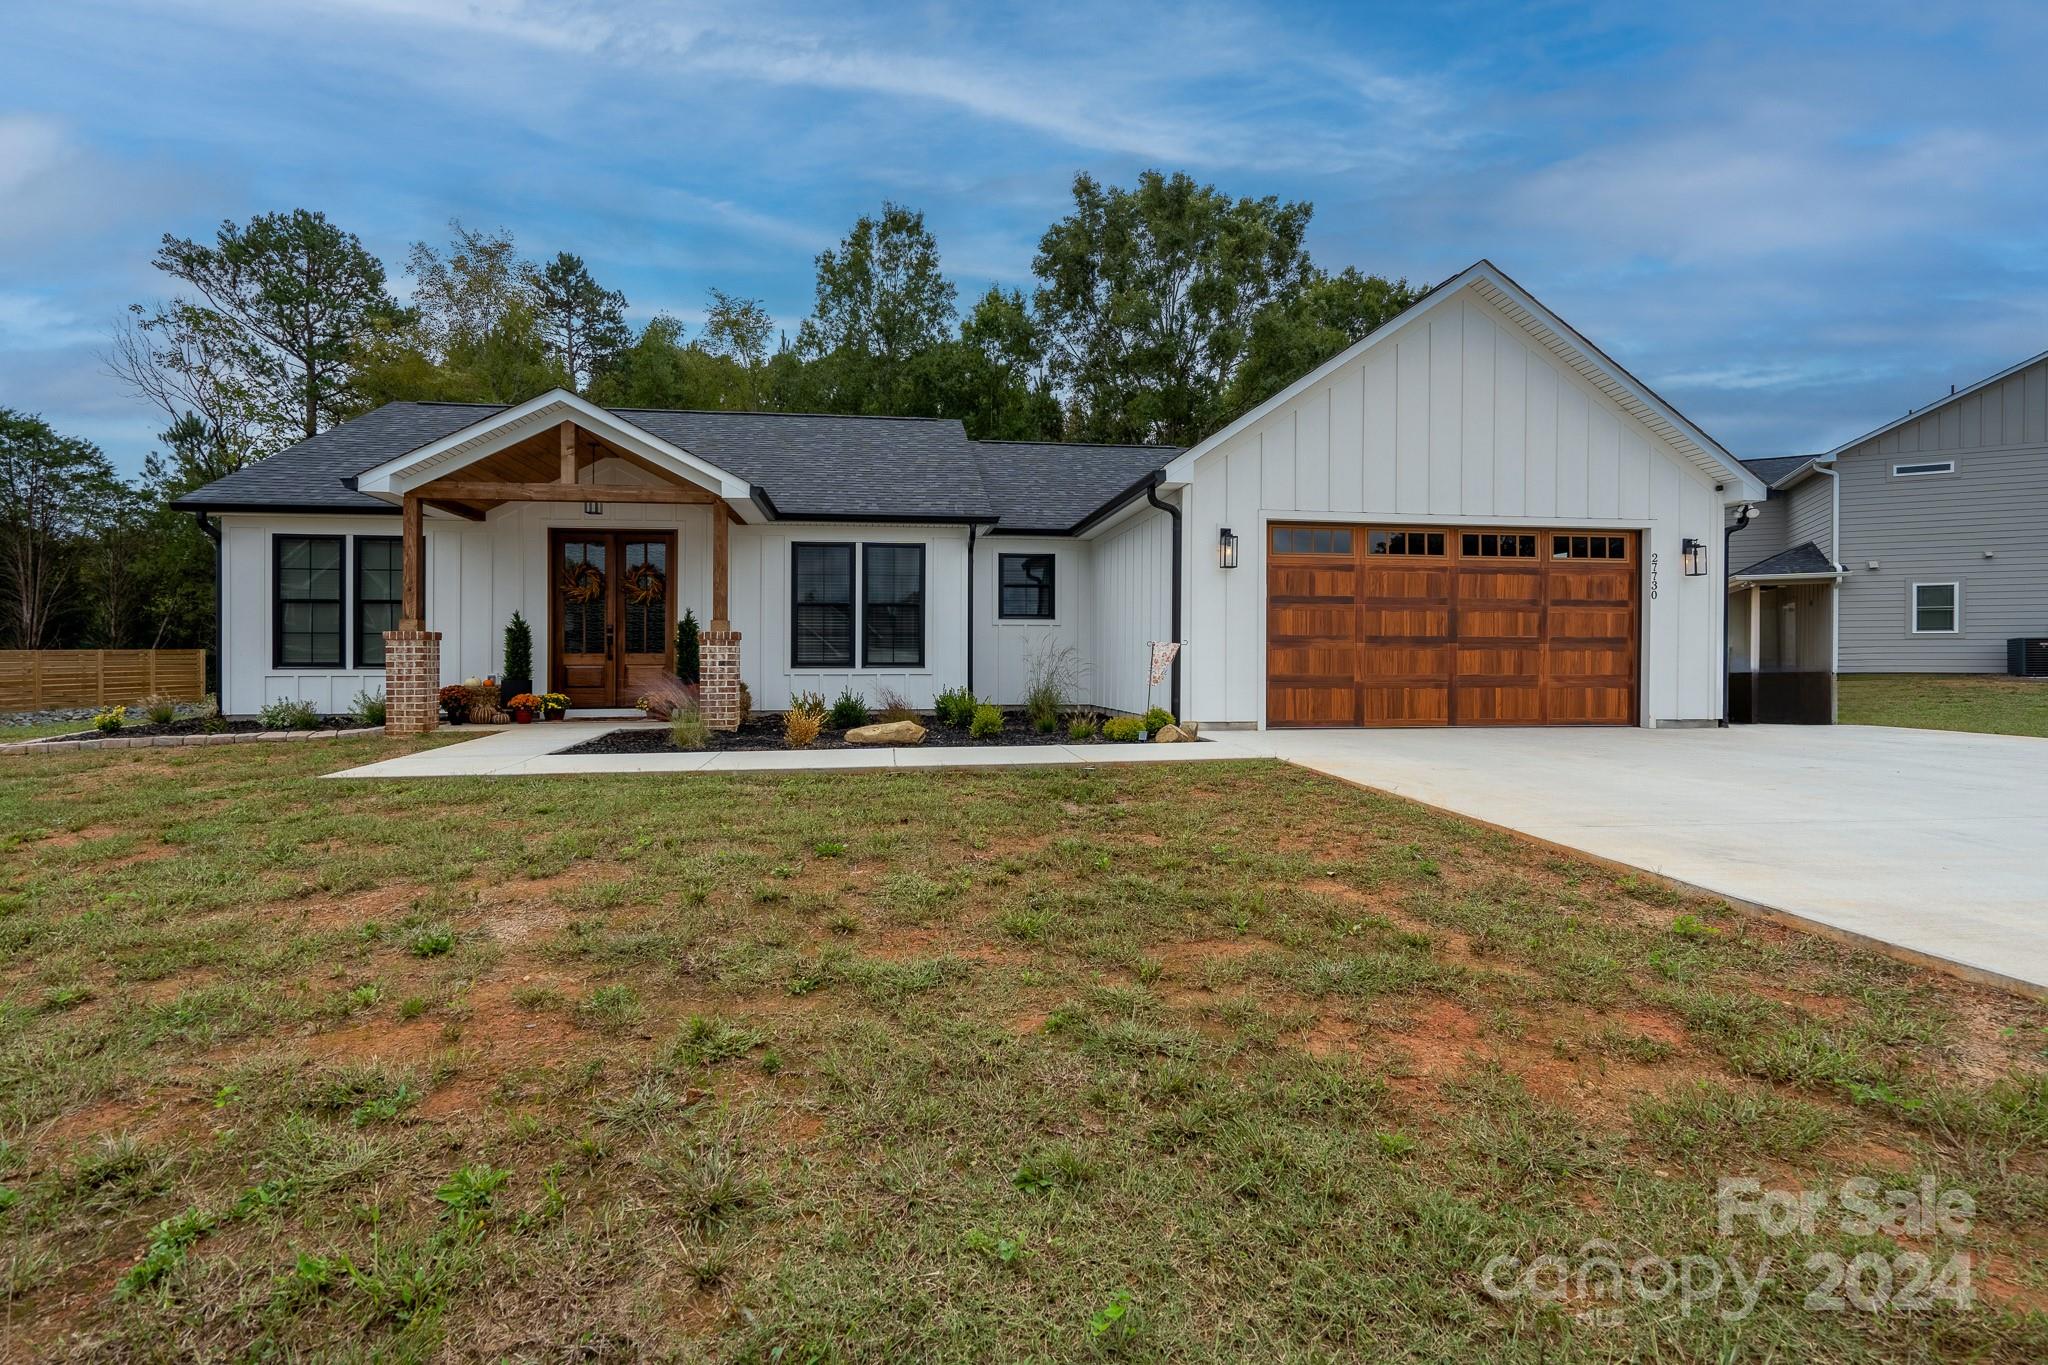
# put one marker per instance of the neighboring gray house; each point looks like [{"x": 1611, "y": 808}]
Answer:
[{"x": 1915, "y": 548}]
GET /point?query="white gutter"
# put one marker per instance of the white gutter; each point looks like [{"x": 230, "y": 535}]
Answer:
[{"x": 1834, "y": 478}]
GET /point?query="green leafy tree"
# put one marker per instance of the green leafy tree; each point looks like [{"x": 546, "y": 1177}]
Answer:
[
  {"x": 1149, "y": 296},
  {"x": 57, "y": 493},
  {"x": 663, "y": 370},
  {"x": 881, "y": 299},
  {"x": 582, "y": 323},
  {"x": 461, "y": 293},
  {"x": 1292, "y": 336},
  {"x": 281, "y": 306}
]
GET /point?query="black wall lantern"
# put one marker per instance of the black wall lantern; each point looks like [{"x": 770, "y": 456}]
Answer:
[
  {"x": 1693, "y": 555},
  {"x": 1226, "y": 549}
]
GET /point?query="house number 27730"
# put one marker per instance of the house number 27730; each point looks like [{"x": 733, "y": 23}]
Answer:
[{"x": 1653, "y": 574}]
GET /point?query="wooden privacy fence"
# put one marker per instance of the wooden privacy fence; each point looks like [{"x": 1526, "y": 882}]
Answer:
[{"x": 38, "y": 679}]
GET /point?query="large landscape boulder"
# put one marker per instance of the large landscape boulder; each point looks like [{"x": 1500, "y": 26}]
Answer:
[
  {"x": 891, "y": 732},
  {"x": 1171, "y": 734}
]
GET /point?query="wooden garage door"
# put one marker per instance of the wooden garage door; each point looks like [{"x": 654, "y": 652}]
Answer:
[{"x": 1406, "y": 625}]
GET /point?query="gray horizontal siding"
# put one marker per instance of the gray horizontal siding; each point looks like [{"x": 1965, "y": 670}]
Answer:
[
  {"x": 1810, "y": 514},
  {"x": 1765, "y": 534},
  {"x": 1939, "y": 528}
]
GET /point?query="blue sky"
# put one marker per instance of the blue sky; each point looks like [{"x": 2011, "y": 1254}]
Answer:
[{"x": 1794, "y": 221}]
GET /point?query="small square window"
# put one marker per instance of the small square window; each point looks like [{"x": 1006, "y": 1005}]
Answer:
[
  {"x": 1936, "y": 608},
  {"x": 1024, "y": 591}
]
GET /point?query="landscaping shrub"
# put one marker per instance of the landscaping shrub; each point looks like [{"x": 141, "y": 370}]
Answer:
[
  {"x": 809, "y": 704},
  {"x": 689, "y": 660},
  {"x": 848, "y": 711},
  {"x": 518, "y": 651},
  {"x": 161, "y": 710},
  {"x": 892, "y": 706},
  {"x": 954, "y": 707},
  {"x": 1123, "y": 729},
  {"x": 800, "y": 728},
  {"x": 1081, "y": 728},
  {"x": 286, "y": 714},
  {"x": 368, "y": 709},
  {"x": 1053, "y": 676},
  {"x": 1157, "y": 719},
  {"x": 987, "y": 721},
  {"x": 110, "y": 720},
  {"x": 687, "y": 728},
  {"x": 746, "y": 703}
]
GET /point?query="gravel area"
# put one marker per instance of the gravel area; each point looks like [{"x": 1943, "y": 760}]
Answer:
[{"x": 765, "y": 732}]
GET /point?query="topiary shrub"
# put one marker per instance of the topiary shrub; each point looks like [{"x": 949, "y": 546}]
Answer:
[
  {"x": 689, "y": 660},
  {"x": 518, "y": 674},
  {"x": 1123, "y": 729},
  {"x": 954, "y": 707},
  {"x": 987, "y": 720},
  {"x": 848, "y": 711},
  {"x": 1157, "y": 719}
]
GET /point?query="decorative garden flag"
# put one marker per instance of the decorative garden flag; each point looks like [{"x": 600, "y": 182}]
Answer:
[{"x": 1162, "y": 656}]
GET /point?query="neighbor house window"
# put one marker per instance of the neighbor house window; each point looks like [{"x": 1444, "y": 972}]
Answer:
[
  {"x": 380, "y": 583},
  {"x": 306, "y": 605},
  {"x": 822, "y": 615},
  {"x": 892, "y": 606},
  {"x": 1937, "y": 608},
  {"x": 1024, "y": 587},
  {"x": 1914, "y": 471}
]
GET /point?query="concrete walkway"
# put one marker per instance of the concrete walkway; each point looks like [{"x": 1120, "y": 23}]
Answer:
[
  {"x": 1927, "y": 840},
  {"x": 527, "y": 750}
]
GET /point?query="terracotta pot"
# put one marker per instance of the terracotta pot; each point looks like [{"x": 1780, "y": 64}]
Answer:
[{"x": 522, "y": 715}]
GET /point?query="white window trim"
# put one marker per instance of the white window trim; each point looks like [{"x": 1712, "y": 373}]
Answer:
[
  {"x": 1913, "y": 607},
  {"x": 1923, "y": 469}
]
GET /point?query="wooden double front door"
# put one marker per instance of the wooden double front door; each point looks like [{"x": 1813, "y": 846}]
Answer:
[
  {"x": 613, "y": 621},
  {"x": 1422, "y": 625}
]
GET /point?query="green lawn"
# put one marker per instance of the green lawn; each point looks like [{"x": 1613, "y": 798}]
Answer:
[
  {"x": 1937, "y": 701},
  {"x": 1175, "y": 1062}
]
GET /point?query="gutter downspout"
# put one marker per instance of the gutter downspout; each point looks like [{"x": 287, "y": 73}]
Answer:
[
  {"x": 1152, "y": 496},
  {"x": 1727, "y": 553},
  {"x": 971, "y": 528},
  {"x": 1835, "y": 596},
  {"x": 212, "y": 533}
]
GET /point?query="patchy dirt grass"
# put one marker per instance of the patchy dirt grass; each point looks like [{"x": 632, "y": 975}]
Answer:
[{"x": 1217, "y": 1064}]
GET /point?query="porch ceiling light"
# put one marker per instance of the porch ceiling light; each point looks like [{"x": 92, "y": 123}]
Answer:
[
  {"x": 1693, "y": 554},
  {"x": 1226, "y": 549},
  {"x": 593, "y": 509}
]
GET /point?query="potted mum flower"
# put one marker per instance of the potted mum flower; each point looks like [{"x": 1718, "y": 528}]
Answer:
[
  {"x": 455, "y": 703},
  {"x": 524, "y": 706},
  {"x": 554, "y": 705}
]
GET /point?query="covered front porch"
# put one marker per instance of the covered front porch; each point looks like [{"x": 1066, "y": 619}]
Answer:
[
  {"x": 1781, "y": 649},
  {"x": 598, "y": 535}
]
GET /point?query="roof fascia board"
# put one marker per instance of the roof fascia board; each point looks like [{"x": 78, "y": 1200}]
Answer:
[
  {"x": 1744, "y": 580},
  {"x": 1937, "y": 405},
  {"x": 398, "y": 476}
]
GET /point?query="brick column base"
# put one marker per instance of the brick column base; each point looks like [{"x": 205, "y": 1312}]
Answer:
[
  {"x": 412, "y": 681},
  {"x": 718, "y": 688}
]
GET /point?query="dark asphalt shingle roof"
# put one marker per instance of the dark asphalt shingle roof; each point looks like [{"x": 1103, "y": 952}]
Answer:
[
  {"x": 886, "y": 468},
  {"x": 1805, "y": 558},
  {"x": 1775, "y": 467},
  {"x": 1054, "y": 486}
]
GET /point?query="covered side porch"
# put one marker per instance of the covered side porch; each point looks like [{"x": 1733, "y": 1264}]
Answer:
[
  {"x": 1782, "y": 642},
  {"x": 612, "y": 535}
]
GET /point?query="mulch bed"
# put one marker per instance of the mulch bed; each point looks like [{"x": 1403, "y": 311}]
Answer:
[
  {"x": 193, "y": 725},
  {"x": 765, "y": 732}
]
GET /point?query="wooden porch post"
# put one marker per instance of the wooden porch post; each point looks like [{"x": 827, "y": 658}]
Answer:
[
  {"x": 568, "y": 452},
  {"x": 412, "y": 614},
  {"x": 720, "y": 619}
]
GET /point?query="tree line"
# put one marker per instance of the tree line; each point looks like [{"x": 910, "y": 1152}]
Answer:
[{"x": 1158, "y": 313}]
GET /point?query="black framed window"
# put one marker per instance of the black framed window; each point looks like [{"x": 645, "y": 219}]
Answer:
[
  {"x": 821, "y": 600},
  {"x": 380, "y": 586},
  {"x": 892, "y": 606},
  {"x": 1024, "y": 587},
  {"x": 306, "y": 601}
]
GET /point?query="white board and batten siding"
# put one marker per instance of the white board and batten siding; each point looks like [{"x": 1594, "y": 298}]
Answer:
[
  {"x": 1005, "y": 650},
  {"x": 1460, "y": 418},
  {"x": 1133, "y": 569},
  {"x": 759, "y": 566}
]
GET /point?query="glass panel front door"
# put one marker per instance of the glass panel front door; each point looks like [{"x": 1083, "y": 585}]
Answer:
[
  {"x": 583, "y": 626},
  {"x": 614, "y": 614}
]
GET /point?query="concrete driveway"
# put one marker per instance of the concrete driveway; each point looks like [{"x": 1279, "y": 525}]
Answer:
[{"x": 1932, "y": 841}]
